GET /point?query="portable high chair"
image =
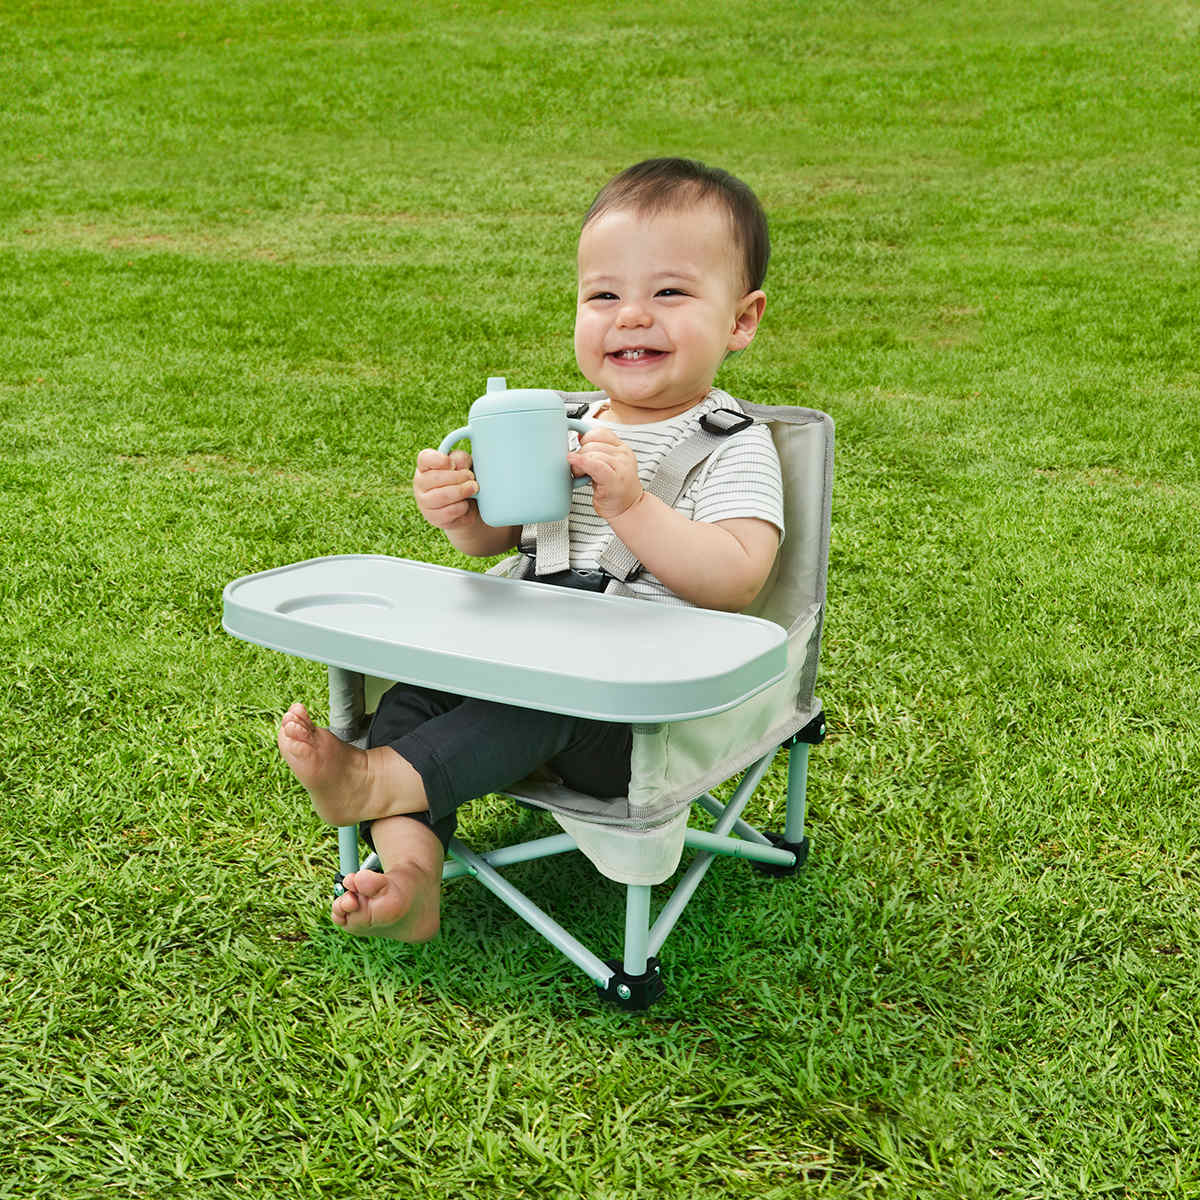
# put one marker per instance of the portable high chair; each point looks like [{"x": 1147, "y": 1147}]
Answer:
[{"x": 732, "y": 690}]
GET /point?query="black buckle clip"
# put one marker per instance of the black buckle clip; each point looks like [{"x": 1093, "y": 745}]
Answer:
[
  {"x": 578, "y": 580},
  {"x": 725, "y": 421}
]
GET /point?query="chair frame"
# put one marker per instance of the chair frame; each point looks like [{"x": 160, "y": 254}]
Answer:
[{"x": 632, "y": 981}]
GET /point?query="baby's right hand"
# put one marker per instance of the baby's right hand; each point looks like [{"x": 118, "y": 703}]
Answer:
[{"x": 444, "y": 485}]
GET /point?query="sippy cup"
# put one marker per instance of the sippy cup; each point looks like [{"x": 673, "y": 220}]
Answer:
[{"x": 519, "y": 454}]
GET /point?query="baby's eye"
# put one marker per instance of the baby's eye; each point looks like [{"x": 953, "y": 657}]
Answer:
[
  {"x": 671, "y": 292},
  {"x": 602, "y": 296}
]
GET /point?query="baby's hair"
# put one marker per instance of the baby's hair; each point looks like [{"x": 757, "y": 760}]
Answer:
[{"x": 661, "y": 184}]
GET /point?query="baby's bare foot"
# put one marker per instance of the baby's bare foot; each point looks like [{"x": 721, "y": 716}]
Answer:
[
  {"x": 347, "y": 785},
  {"x": 402, "y": 904},
  {"x": 324, "y": 764}
]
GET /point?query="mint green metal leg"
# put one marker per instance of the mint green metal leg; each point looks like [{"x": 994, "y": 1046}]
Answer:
[
  {"x": 796, "y": 793},
  {"x": 637, "y": 928},
  {"x": 637, "y": 983},
  {"x": 697, "y": 839},
  {"x": 346, "y": 720},
  {"x": 704, "y": 859},
  {"x": 715, "y": 808},
  {"x": 559, "y": 843},
  {"x": 347, "y": 849},
  {"x": 599, "y": 971}
]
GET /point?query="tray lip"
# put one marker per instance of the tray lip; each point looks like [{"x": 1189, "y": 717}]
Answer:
[
  {"x": 262, "y": 626},
  {"x": 629, "y": 716}
]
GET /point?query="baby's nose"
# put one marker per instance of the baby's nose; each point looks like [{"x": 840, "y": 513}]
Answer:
[{"x": 633, "y": 314}]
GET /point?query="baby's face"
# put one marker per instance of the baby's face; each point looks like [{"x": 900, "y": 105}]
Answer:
[{"x": 661, "y": 302}]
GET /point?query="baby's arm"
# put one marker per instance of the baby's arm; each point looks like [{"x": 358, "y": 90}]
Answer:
[
  {"x": 722, "y": 564},
  {"x": 444, "y": 486}
]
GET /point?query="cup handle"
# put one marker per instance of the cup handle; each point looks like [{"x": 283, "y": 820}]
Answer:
[
  {"x": 450, "y": 438},
  {"x": 581, "y": 426}
]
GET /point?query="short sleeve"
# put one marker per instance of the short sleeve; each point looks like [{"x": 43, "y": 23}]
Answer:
[{"x": 742, "y": 478}]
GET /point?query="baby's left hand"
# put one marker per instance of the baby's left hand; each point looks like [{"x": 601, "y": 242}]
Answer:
[{"x": 614, "y": 471}]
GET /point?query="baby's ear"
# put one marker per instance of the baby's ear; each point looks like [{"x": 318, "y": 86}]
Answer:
[{"x": 745, "y": 323}]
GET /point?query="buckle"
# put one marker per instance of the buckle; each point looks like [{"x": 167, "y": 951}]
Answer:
[
  {"x": 724, "y": 421},
  {"x": 578, "y": 580}
]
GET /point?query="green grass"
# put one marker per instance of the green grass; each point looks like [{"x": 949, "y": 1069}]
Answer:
[{"x": 253, "y": 256}]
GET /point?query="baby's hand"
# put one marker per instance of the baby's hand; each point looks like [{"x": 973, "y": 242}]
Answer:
[
  {"x": 444, "y": 485},
  {"x": 614, "y": 471}
]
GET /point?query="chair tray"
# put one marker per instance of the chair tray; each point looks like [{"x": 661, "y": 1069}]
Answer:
[{"x": 523, "y": 643}]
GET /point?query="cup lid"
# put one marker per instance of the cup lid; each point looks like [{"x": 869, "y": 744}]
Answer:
[{"x": 517, "y": 400}]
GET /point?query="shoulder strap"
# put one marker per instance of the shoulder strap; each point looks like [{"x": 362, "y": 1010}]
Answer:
[
  {"x": 549, "y": 544},
  {"x": 672, "y": 475}
]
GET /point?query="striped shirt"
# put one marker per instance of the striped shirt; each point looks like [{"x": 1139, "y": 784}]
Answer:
[{"x": 741, "y": 478}]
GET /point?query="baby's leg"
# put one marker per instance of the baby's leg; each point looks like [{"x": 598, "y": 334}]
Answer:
[
  {"x": 348, "y": 785},
  {"x": 429, "y": 752},
  {"x": 402, "y": 902}
]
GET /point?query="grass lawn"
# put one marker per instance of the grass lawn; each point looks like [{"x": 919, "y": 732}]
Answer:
[{"x": 254, "y": 255}]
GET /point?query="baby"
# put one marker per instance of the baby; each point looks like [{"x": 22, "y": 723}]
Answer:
[{"x": 672, "y": 257}]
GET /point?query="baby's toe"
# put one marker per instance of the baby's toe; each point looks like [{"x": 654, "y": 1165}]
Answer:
[{"x": 369, "y": 883}]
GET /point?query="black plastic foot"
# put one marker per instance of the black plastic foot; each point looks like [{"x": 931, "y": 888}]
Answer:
[
  {"x": 799, "y": 849},
  {"x": 633, "y": 992}
]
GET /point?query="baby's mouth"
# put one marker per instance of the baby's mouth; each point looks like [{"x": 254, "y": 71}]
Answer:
[{"x": 636, "y": 354}]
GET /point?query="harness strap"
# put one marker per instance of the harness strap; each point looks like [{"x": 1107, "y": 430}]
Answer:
[
  {"x": 552, "y": 549},
  {"x": 549, "y": 544},
  {"x": 671, "y": 478}
]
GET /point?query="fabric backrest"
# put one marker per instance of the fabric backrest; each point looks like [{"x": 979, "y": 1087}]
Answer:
[{"x": 804, "y": 440}]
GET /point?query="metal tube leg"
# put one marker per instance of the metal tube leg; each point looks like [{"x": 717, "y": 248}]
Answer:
[
  {"x": 347, "y": 856},
  {"x": 637, "y": 984},
  {"x": 696, "y": 839},
  {"x": 347, "y": 849},
  {"x": 558, "y": 843},
  {"x": 704, "y": 859},
  {"x": 346, "y": 720},
  {"x": 600, "y": 972},
  {"x": 637, "y": 928},
  {"x": 797, "y": 789},
  {"x": 715, "y": 808},
  {"x": 346, "y": 703}
]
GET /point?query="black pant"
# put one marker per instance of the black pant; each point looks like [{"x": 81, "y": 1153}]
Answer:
[{"x": 466, "y": 748}]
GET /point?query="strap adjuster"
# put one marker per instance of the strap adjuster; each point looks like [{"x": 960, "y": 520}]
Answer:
[{"x": 725, "y": 421}]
